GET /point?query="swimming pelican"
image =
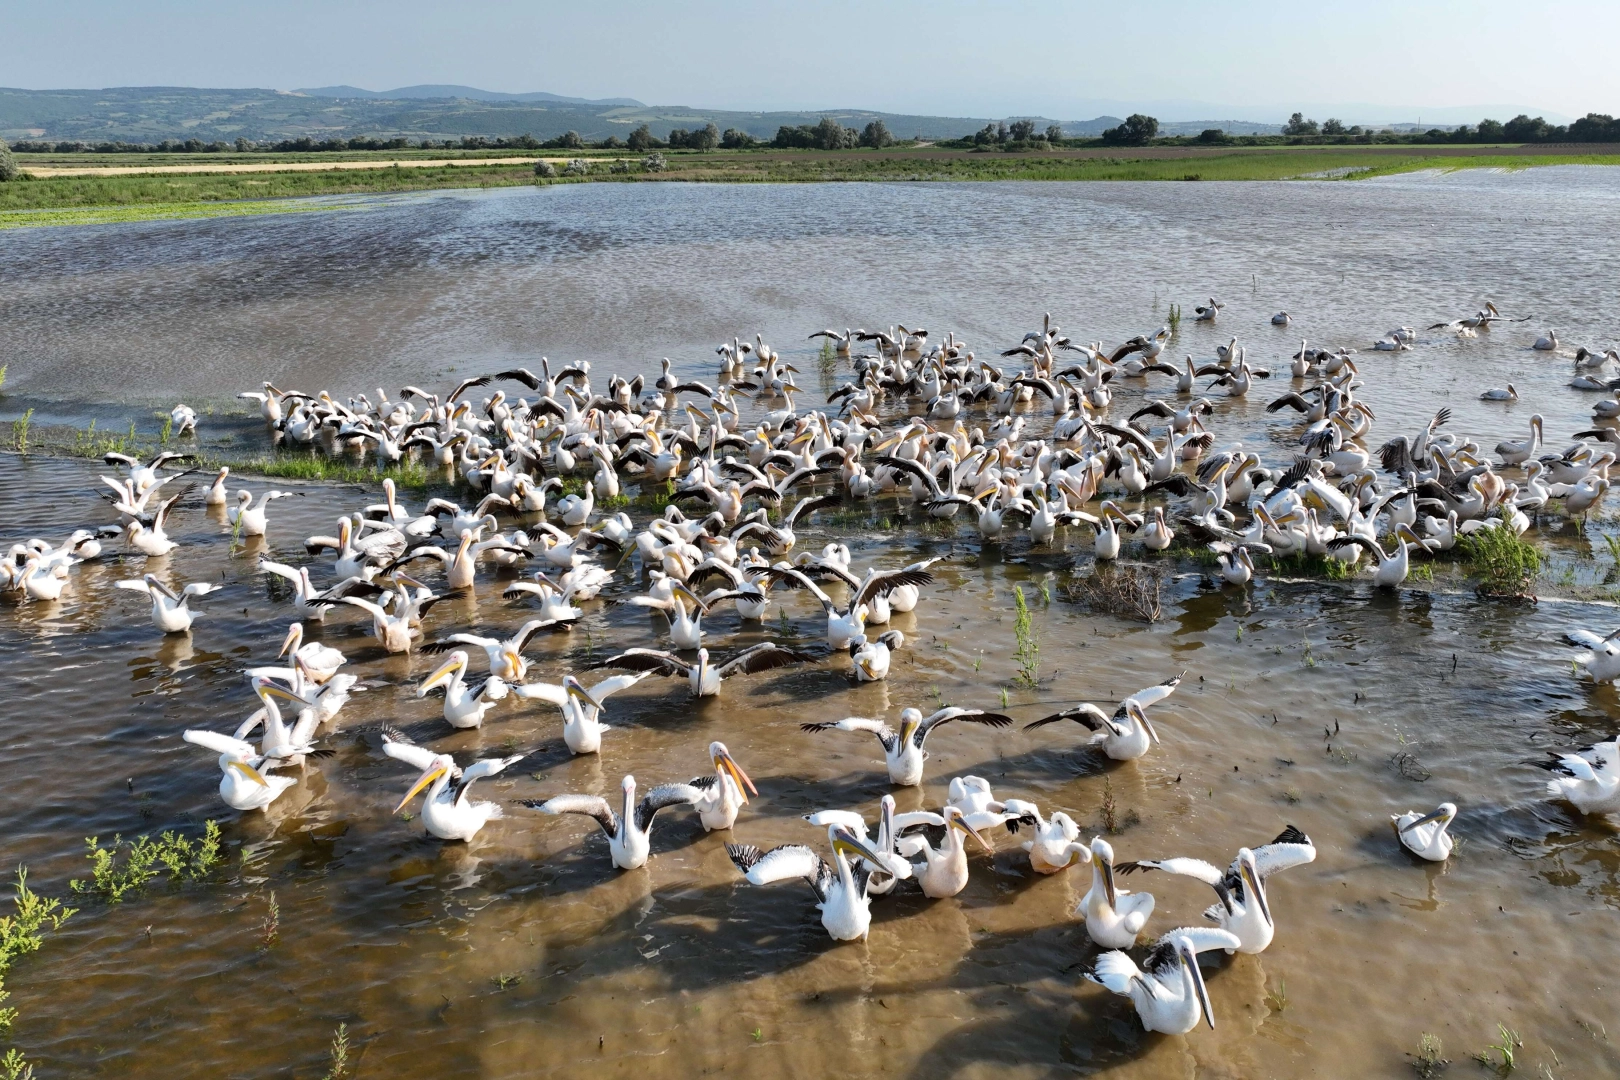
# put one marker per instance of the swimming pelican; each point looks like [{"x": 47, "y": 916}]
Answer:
[
  {"x": 151, "y": 540},
  {"x": 397, "y": 630},
  {"x": 704, "y": 677},
  {"x": 1392, "y": 568},
  {"x": 251, "y": 520},
  {"x": 629, "y": 832},
  {"x": 1592, "y": 777},
  {"x": 685, "y": 623},
  {"x": 1127, "y": 734},
  {"x": 872, "y": 657},
  {"x": 1519, "y": 451},
  {"x": 979, "y": 806},
  {"x": 1281, "y": 319},
  {"x": 581, "y": 708},
  {"x": 850, "y": 623},
  {"x": 903, "y": 749},
  {"x": 1602, "y": 660},
  {"x": 723, "y": 794},
  {"x": 464, "y": 705},
  {"x": 1168, "y": 989},
  {"x": 1425, "y": 835},
  {"x": 1237, "y": 565},
  {"x": 1497, "y": 393},
  {"x": 505, "y": 657},
  {"x": 1241, "y": 907},
  {"x": 320, "y": 662},
  {"x": 943, "y": 871},
  {"x": 841, "y": 890},
  {"x": 1053, "y": 846},
  {"x": 241, "y": 784},
  {"x": 217, "y": 493},
  {"x": 1547, "y": 342},
  {"x": 447, "y": 813},
  {"x": 1114, "y": 916},
  {"x": 171, "y": 612},
  {"x": 312, "y": 603}
]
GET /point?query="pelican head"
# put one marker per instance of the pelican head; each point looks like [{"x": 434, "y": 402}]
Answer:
[
  {"x": 845, "y": 843},
  {"x": 1249, "y": 872},
  {"x": 576, "y": 690},
  {"x": 446, "y": 673},
  {"x": 1102, "y": 861},
  {"x": 725, "y": 765},
  {"x": 438, "y": 767},
  {"x": 955, "y": 819},
  {"x": 1139, "y": 714},
  {"x": 910, "y": 721},
  {"x": 294, "y": 638},
  {"x": 1444, "y": 813}
]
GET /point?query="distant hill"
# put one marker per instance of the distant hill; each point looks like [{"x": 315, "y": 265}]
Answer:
[
  {"x": 154, "y": 113},
  {"x": 469, "y": 93}
]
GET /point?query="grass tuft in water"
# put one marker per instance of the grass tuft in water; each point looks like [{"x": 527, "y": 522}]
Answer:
[
  {"x": 270, "y": 928},
  {"x": 1502, "y": 1054},
  {"x": 111, "y": 878},
  {"x": 1505, "y": 564},
  {"x": 1110, "y": 818},
  {"x": 1277, "y": 999},
  {"x": 21, "y": 933},
  {"x": 1174, "y": 318},
  {"x": 1028, "y": 653},
  {"x": 506, "y": 980},
  {"x": 1129, "y": 592},
  {"x": 339, "y": 1054},
  {"x": 19, "y": 431},
  {"x": 1427, "y": 1062}
]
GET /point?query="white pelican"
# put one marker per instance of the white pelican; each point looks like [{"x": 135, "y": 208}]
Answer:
[
  {"x": 979, "y": 806},
  {"x": 241, "y": 784},
  {"x": 850, "y": 623},
  {"x": 1592, "y": 777},
  {"x": 1517, "y": 452},
  {"x": 704, "y": 677},
  {"x": 685, "y": 623},
  {"x": 151, "y": 540},
  {"x": 182, "y": 420},
  {"x": 1425, "y": 835},
  {"x": 841, "y": 890},
  {"x": 217, "y": 492},
  {"x": 1168, "y": 989},
  {"x": 447, "y": 813},
  {"x": 311, "y": 603},
  {"x": 1207, "y": 313},
  {"x": 629, "y": 832},
  {"x": 1393, "y": 567},
  {"x": 581, "y": 707},
  {"x": 251, "y": 520},
  {"x": 943, "y": 871},
  {"x": 1281, "y": 319},
  {"x": 556, "y": 599},
  {"x": 171, "y": 612},
  {"x": 1114, "y": 916},
  {"x": 1602, "y": 659},
  {"x": 320, "y": 662},
  {"x": 1241, "y": 906},
  {"x": 723, "y": 794},
  {"x": 892, "y": 867},
  {"x": 1547, "y": 342},
  {"x": 1053, "y": 846},
  {"x": 1497, "y": 393},
  {"x": 872, "y": 657},
  {"x": 1157, "y": 533},
  {"x": 1127, "y": 734},
  {"x": 396, "y": 631},
  {"x": 464, "y": 704},
  {"x": 1237, "y": 565},
  {"x": 903, "y": 749},
  {"x": 506, "y": 657}
]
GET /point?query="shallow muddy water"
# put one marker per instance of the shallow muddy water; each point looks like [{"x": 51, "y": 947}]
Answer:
[{"x": 526, "y": 953}]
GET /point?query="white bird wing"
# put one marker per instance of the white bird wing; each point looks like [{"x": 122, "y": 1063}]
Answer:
[
  {"x": 788, "y": 863},
  {"x": 614, "y": 683},
  {"x": 550, "y": 693},
  {"x": 220, "y": 743},
  {"x": 1193, "y": 868},
  {"x": 1587, "y": 639},
  {"x": 1578, "y": 767},
  {"x": 590, "y": 805},
  {"x": 661, "y": 798},
  {"x": 489, "y": 767},
  {"x": 281, "y": 570},
  {"x": 1116, "y": 971},
  {"x": 1154, "y": 694},
  {"x": 913, "y": 818},
  {"x": 200, "y": 588},
  {"x": 134, "y": 585},
  {"x": 418, "y": 757},
  {"x": 1291, "y": 848},
  {"x": 849, "y": 819}
]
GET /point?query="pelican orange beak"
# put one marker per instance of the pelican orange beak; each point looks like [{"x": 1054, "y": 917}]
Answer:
[
  {"x": 1104, "y": 868},
  {"x": 1424, "y": 820},
  {"x": 846, "y": 842},
  {"x": 266, "y": 690},
  {"x": 724, "y": 762},
  {"x": 442, "y": 676},
  {"x": 576, "y": 690},
  {"x": 430, "y": 774},
  {"x": 513, "y": 660},
  {"x": 680, "y": 589},
  {"x": 1251, "y": 880},
  {"x": 250, "y": 772},
  {"x": 295, "y": 637},
  {"x": 959, "y": 822}
]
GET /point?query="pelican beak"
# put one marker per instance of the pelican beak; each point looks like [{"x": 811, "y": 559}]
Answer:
[
  {"x": 295, "y": 635},
  {"x": 1424, "y": 820},
  {"x": 513, "y": 660},
  {"x": 432, "y": 773},
  {"x": 441, "y": 676},
  {"x": 724, "y": 762},
  {"x": 1190, "y": 959},
  {"x": 265, "y": 690},
  {"x": 680, "y": 589},
  {"x": 250, "y": 772},
  {"x": 961, "y": 823},
  {"x": 846, "y": 842},
  {"x": 1106, "y": 869},
  {"x": 1141, "y": 715},
  {"x": 1256, "y": 890},
  {"x": 577, "y": 691}
]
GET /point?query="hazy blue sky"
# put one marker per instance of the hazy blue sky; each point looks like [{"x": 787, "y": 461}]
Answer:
[{"x": 955, "y": 57}]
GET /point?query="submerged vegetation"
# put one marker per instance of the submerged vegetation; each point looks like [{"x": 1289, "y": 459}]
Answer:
[
  {"x": 21, "y": 933},
  {"x": 143, "y": 859}
]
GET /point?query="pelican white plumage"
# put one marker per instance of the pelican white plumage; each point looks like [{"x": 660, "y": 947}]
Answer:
[
  {"x": 320, "y": 662},
  {"x": 1126, "y": 735},
  {"x": 943, "y": 870},
  {"x": 581, "y": 707},
  {"x": 841, "y": 889},
  {"x": 1547, "y": 342},
  {"x": 171, "y": 611},
  {"x": 704, "y": 677},
  {"x": 872, "y": 658},
  {"x": 629, "y": 831},
  {"x": 217, "y": 492},
  {"x": 979, "y": 805},
  {"x": 1426, "y": 835},
  {"x": 251, "y": 519},
  {"x": 1114, "y": 916},
  {"x": 1168, "y": 989},
  {"x": 723, "y": 794},
  {"x": 182, "y": 421},
  {"x": 505, "y": 655},
  {"x": 1241, "y": 906},
  {"x": 447, "y": 813},
  {"x": 1282, "y": 318},
  {"x": 241, "y": 784},
  {"x": 1517, "y": 452},
  {"x": 1591, "y": 780},
  {"x": 1498, "y": 393},
  {"x": 465, "y": 705},
  {"x": 1602, "y": 658},
  {"x": 1053, "y": 846},
  {"x": 903, "y": 749}
]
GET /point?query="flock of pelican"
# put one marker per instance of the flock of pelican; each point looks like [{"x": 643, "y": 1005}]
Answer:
[{"x": 544, "y": 459}]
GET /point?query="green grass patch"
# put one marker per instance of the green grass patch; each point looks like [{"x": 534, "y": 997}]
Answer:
[
  {"x": 1506, "y": 565},
  {"x": 121, "y": 868}
]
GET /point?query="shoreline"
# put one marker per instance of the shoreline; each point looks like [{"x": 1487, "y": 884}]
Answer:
[{"x": 177, "y": 192}]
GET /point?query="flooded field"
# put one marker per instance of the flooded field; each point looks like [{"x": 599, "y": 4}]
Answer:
[{"x": 1328, "y": 705}]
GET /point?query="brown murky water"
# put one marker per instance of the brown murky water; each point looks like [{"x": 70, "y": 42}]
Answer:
[{"x": 680, "y": 969}]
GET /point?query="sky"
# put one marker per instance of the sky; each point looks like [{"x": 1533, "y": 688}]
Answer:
[{"x": 1239, "y": 59}]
